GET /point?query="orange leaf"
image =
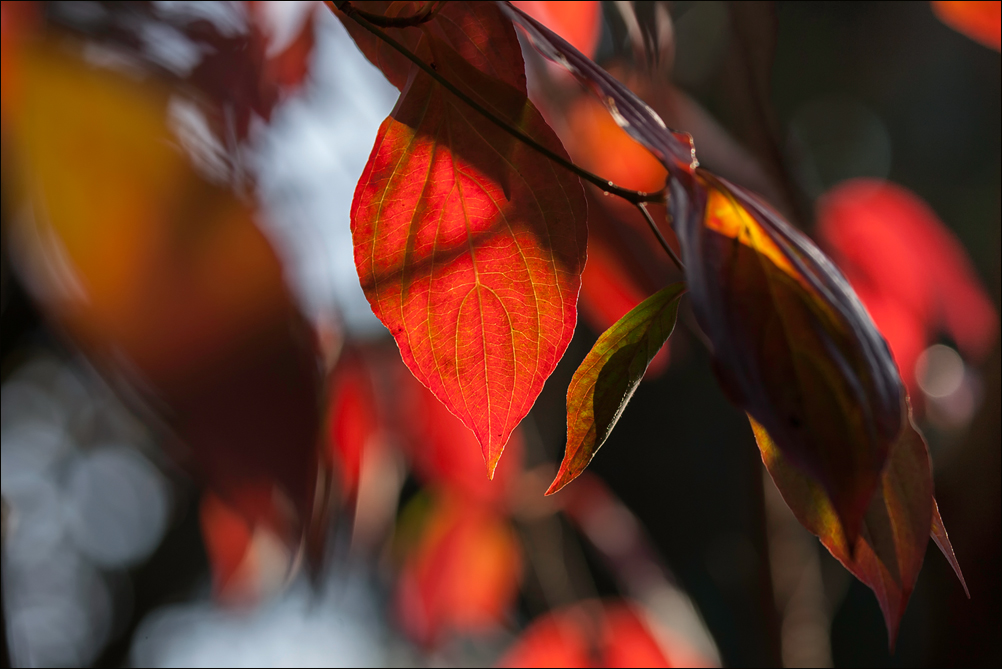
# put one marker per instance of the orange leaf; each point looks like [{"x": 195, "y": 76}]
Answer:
[
  {"x": 462, "y": 575},
  {"x": 981, "y": 21},
  {"x": 590, "y": 634},
  {"x": 469, "y": 245},
  {"x": 580, "y": 23},
  {"x": 165, "y": 281},
  {"x": 608, "y": 376},
  {"x": 352, "y": 419},
  {"x": 888, "y": 553}
]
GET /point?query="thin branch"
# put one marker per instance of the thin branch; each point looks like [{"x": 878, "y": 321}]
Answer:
[
  {"x": 642, "y": 206},
  {"x": 632, "y": 196}
]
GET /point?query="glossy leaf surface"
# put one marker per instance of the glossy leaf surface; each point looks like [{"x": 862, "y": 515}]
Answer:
[
  {"x": 792, "y": 344},
  {"x": 469, "y": 245},
  {"x": 888, "y": 552},
  {"x": 607, "y": 378}
]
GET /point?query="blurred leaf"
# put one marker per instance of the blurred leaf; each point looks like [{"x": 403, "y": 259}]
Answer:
[
  {"x": 164, "y": 280},
  {"x": 888, "y": 553},
  {"x": 911, "y": 272},
  {"x": 981, "y": 21},
  {"x": 248, "y": 561},
  {"x": 580, "y": 23},
  {"x": 792, "y": 345},
  {"x": 598, "y": 144},
  {"x": 462, "y": 575},
  {"x": 606, "y": 633},
  {"x": 352, "y": 419},
  {"x": 607, "y": 378},
  {"x": 468, "y": 245}
]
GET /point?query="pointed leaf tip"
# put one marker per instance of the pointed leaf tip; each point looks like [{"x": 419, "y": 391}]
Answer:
[
  {"x": 608, "y": 376},
  {"x": 942, "y": 540}
]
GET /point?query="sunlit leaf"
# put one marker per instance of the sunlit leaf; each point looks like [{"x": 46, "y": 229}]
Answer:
[
  {"x": 888, "y": 553},
  {"x": 166, "y": 283},
  {"x": 792, "y": 345},
  {"x": 462, "y": 574},
  {"x": 469, "y": 245},
  {"x": 981, "y": 21},
  {"x": 607, "y": 378}
]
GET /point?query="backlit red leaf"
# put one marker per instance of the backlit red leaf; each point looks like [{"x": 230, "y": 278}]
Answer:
[
  {"x": 469, "y": 245},
  {"x": 608, "y": 376},
  {"x": 888, "y": 553}
]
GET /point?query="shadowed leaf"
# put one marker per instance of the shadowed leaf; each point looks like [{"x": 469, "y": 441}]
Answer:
[
  {"x": 888, "y": 552},
  {"x": 942, "y": 540},
  {"x": 469, "y": 245},
  {"x": 608, "y": 376},
  {"x": 792, "y": 345}
]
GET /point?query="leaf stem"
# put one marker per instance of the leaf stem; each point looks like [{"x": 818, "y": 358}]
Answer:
[
  {"x": 632, "y": 196},
  {"x": 642, "y": 206}
]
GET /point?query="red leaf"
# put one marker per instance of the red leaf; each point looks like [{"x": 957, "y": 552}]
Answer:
[
  {"x": 552, "y": 640},
  {"x": 463, "y": 574},
  {"x": 792, "y": 344},
  {"x": 911, "y": 272},
  {"x": 352, "y": 419},
  {"x": 981, "y": 21},
  {"x": 580, "y": 23},
  {"x": 249, "y": 560},
  {"x": 469, "y": 246},
  {"x": 608, "y": 376},
  {"x": 888, "y": 553},
  {"x": 607, "y": 290},
  {"x": 591, "y": 634}
]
